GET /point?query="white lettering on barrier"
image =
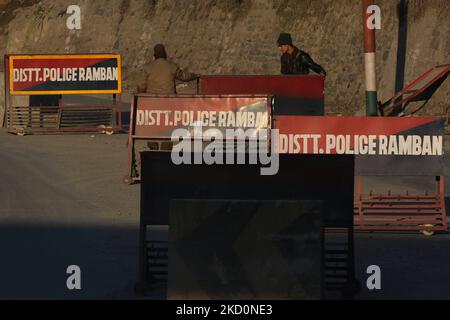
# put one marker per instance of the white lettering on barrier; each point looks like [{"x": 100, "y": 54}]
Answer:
[
  {"x": 222, "y": 119},
  {"x": 65, "y": 74},
  {"x": 412, "y": 145}
]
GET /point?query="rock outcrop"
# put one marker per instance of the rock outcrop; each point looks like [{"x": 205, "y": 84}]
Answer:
[{"x": 238, "y": 37}]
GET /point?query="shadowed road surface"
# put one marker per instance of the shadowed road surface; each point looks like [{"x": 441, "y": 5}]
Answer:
[{"x": 62, "y": 202}]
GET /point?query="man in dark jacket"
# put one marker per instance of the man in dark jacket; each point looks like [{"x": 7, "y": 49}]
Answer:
[{"x": 294, "y": 60}]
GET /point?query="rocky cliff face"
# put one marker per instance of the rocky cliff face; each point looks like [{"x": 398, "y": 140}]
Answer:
[{"x": 238, "y": 37}]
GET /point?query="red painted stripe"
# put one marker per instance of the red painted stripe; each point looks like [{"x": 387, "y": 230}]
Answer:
[
  {"x": 347, "y": 125},
  {"x": 369, "y": 35},
  {"x": 306, "y": 86}
]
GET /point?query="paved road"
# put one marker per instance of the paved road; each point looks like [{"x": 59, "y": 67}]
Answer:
[{"x": 62, "y": 202}]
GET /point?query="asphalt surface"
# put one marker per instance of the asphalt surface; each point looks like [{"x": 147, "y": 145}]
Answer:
[
  {"x": 412, "y": 266},
  {"x": 63, "y": 202}
]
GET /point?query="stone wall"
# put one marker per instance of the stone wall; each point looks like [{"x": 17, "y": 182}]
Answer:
[{"x": 238, "y": 37}]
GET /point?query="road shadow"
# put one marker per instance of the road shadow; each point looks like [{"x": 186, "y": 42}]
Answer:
[{"x": 34, "y": 260}]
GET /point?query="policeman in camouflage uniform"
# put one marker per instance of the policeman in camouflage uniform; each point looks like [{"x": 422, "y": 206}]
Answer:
[{"x": 294, "y": 60}]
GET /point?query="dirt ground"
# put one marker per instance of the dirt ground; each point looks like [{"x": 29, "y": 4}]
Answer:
[{"x": 63, "y": 202}]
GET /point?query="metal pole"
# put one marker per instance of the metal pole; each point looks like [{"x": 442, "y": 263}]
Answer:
[{"x": 369, "y": 60}]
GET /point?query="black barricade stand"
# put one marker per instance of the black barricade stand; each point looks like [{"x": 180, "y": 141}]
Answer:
[{"x": 236, "y": 234}]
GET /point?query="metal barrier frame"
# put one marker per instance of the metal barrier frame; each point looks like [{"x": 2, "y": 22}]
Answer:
[
  {"x": 394, "y": 104},
  {"x": 415, "y": 212},
  {"x": 132, "y": 176}
]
